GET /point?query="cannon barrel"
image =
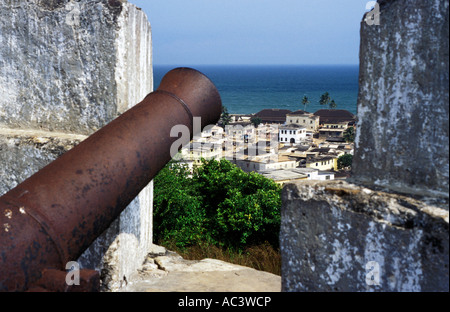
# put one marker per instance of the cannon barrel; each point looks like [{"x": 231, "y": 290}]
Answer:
[{"x": 55, "y": 215}]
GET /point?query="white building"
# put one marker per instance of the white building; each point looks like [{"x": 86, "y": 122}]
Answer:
[
  {"x": 325, "y": 175},
  {"x": 212, "y": 131},
  {"x": 194, "y": 152},
  {"x": 292, "y": 134},
  {"x": 266, "y": 162},
  {"x": 261, "y": 166},
  {"x": 305, "y": 119},
  {"x": 313, "y": 174},
  {"x": 282, "y": 176}
]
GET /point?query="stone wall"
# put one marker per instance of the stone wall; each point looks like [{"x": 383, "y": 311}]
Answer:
[
  {"x": 403, "y": 98},
  {"x": 67, "y": 68},
  {"x": 387, "y": 228},
  {"x": 335, "y": 235}
]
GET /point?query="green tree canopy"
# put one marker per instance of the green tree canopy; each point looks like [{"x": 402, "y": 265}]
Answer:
[
  {"x": 177, "y": 212},
  {"x": 220, "y": 203},
  {"x": 349, "y": 134},
  {"x": 305, "y": 102},
  {"x": 325, "y": 99},
  {"x": 333, "y": 104},
  {"x": 225, "y": 117},
  {"x": 345, "y": 161},
  {"x": 255, "y": 121}
]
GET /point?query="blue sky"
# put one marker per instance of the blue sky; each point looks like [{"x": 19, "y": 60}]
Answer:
[{"x": 198, "y": 32}]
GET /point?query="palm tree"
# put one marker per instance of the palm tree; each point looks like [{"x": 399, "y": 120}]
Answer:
[
  {"x": 225, "y": 117},
  {"x": 305, "y": 101},
  {"x": 349, "y": 135},
  {"x": 333, "y": 104},
  {"x": 325, "y": 99},
  {"x": 256, "y": 121}
]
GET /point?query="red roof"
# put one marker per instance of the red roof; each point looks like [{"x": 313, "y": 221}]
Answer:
[
  {"x": 273, "y": 115},
  {"x": 299, "y": 112},
  {"x": 334, "y": 115}
]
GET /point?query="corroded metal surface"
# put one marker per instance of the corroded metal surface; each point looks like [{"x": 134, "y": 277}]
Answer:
[{"x": 53, "y": 216}]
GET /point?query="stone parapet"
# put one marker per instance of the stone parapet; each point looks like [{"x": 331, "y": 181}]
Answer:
[
  {"x": 338, "y": 236},
  {"x": 68, "y": 68},
  {"x": 403, "y": 103},
  {"x": 388, "y": 231}
]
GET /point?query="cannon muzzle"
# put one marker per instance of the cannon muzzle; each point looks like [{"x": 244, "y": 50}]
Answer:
[{"x": 52, "y": 217}]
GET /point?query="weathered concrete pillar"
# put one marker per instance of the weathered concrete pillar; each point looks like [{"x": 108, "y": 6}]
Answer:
[
  {"x": 403, "y": 102},
  {"x": 67, "y": 68},
  {"x": 387, "y": 228}
]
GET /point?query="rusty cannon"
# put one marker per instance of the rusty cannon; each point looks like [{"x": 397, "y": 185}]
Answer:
[{"x": 52, "y": 217}]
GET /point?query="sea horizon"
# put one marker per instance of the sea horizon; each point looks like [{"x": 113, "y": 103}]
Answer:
[{"x": 250, "y": 88}]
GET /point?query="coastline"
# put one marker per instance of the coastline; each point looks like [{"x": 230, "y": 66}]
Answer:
[{"x": 246, "y": 89}]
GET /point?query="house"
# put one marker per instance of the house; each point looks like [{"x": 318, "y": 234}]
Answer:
[
  {"x": 274, "y": 115},
  {"x": 333, "y": 130},
  {"x": 282, "y": 176},
  {"x": 333, "y": 124},
  {"x": 345, "y": 149},
  {"x": 297, "y": 150},
  {"x": 311, "y": 174},
  {"x": 212, "y": 131},
  {"x": 261, "y": 151},
  {"x": 292, "y": 134},
  {"x": 335, "y": 116},
  {"x": 305, "y": 119},
  {"x": 267, "y": 132},
  {"x": 242, "y": 131},
  {"x": 322, "y": 163},
  {"x": 325, "y": 175},
  {"x": 249, "y": 164},
  {"x": 314, "y": 174},
  {"x": 195, "y": 151},
  {"x": 260, "y": 166}
]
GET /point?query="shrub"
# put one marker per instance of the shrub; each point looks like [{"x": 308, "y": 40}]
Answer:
[
  {"x": 219, "y": 204},
  {"x": 177, "y": 214},
  {"x": 345, "y": 161}
]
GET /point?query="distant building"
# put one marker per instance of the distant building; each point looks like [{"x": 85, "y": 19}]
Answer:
[
  {"x": 195, "y": 151},
  {"x": 267, "y": 132},
  {"x": 240, "y": 131},
  {"x": 333, "y": 123},
  {"x": 314, "y": 174},
  {"x": 324, "y": 175},
  {"x": 335, "y": 116},
  {"x": 282, "y": 176},
  {"x": 262, "y": 164},
  {"x": 311, "y": 174},
  {"x": 292, "y": 134},
  {"x": 259, "y": 166},
  {"x": 213, "y": 131},
  {"x": 322, "y": 163},
  {"x": 274, "y": 115},
  {"x": 333, "y": 130},
  {"x": 305, "y": 119}
]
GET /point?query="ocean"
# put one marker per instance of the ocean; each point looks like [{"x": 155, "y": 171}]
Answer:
[{"x": 249, "y": 89}]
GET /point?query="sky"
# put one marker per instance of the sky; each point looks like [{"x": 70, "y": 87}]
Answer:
[{"x": 254, "y": 32}]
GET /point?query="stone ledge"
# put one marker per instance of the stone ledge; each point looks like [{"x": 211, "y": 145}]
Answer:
[
  {"x": 24, "y": 153},
  {"x": 167, "y": 271}
]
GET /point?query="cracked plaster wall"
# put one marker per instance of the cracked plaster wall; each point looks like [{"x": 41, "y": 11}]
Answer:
[{"x": 67, "y": 68}]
